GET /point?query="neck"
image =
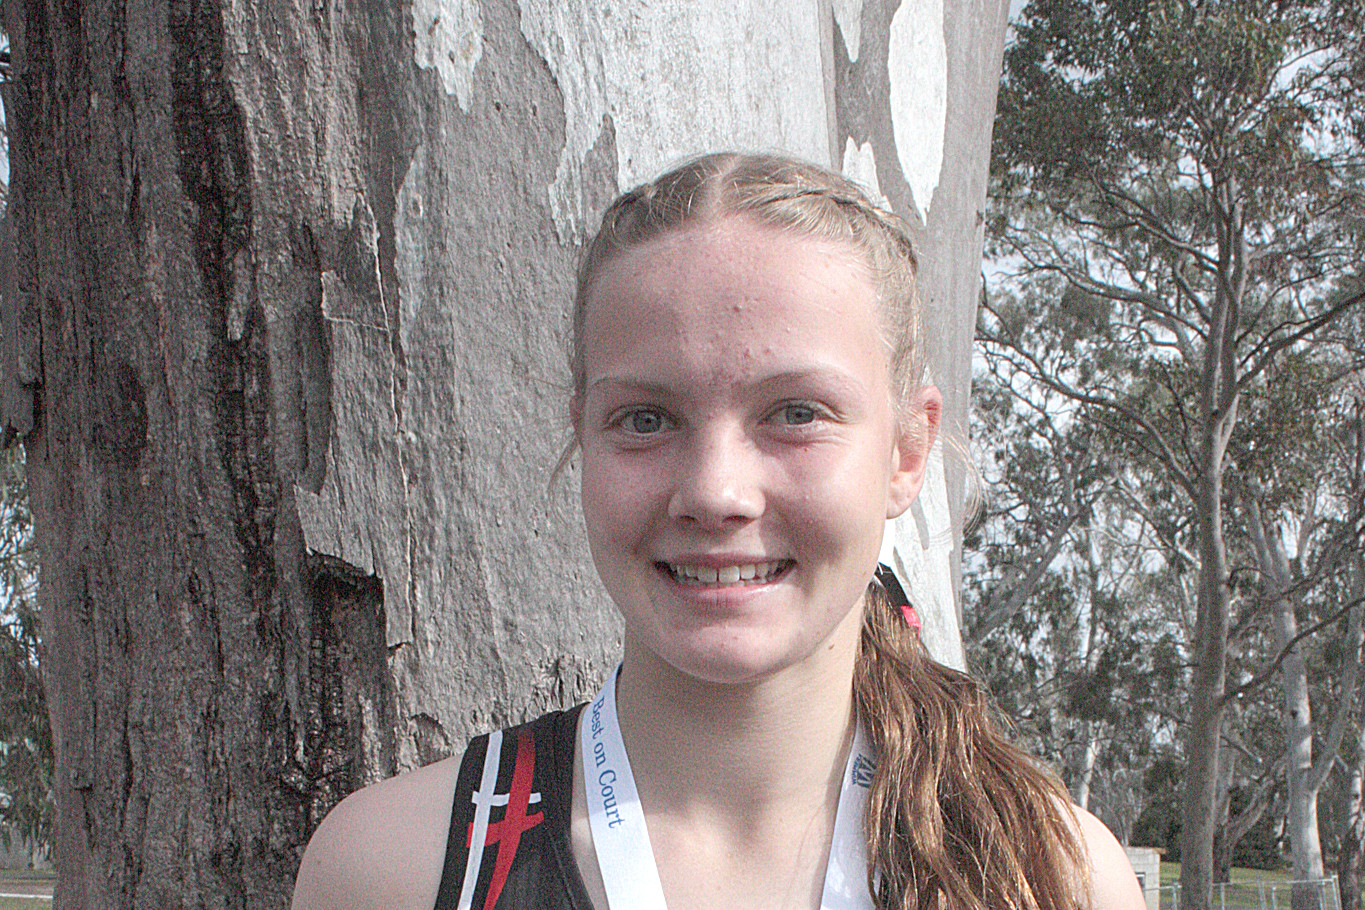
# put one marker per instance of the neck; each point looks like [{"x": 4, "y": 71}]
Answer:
[{"x": 738, "y": 751}]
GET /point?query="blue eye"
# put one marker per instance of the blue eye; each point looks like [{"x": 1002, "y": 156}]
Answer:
[
  {"x": 643, "y": 422},
  {"x": 793, "y": 415}
]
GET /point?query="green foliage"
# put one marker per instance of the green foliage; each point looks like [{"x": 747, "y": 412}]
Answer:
[
  {"x": 1112, "y": 91},
  {"x": 1159, "y": 824},
  {"x": 1151, "y": 156},
  {"x": 1074, "y": 665},
  {"x": 26, "y": 758}
]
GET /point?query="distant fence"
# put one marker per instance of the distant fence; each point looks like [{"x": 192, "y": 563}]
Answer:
[{"x": 1303, "y": 895}]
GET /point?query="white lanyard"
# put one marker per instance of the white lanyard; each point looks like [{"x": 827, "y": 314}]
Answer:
[{"x": 622, "y": 842}]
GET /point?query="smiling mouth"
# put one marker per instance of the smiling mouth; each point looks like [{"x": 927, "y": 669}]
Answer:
[{"x": 754, "y": 573}]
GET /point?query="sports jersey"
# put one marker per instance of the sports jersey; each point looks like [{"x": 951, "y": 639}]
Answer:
[{"x": 509, "y": 845}]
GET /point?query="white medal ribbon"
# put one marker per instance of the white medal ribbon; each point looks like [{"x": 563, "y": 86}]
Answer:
[{"x": 621, "y": 840}]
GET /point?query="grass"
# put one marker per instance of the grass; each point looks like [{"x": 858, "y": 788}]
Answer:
[
  {"x": 1245, "y": 898},
  {"x": 13, "y": 879},
  {"x": 1170, "y": 874}
]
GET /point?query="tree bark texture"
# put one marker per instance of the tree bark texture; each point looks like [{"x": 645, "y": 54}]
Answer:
[
  {"x": 933, "y": 88},
  {"x": 284, "y": 343}
]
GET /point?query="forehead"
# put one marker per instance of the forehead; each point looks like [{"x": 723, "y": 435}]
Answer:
[
  {"x": 744, "y": 265},
  {"x": 733, "y": 296},
  {"x": 740, "y": 243}
]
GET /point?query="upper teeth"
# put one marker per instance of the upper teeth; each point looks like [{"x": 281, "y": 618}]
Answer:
[{"x": 725, "y": 575}]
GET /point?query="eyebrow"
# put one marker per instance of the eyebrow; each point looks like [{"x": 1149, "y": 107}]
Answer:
[{"x": 627, "y": 384}]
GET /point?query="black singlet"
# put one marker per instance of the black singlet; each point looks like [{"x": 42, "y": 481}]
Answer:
[{"x": 527, "y": 861}]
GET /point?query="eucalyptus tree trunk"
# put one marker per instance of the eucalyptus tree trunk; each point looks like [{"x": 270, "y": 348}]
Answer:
[
  {"x": 283, "y": 341},
  {"x": 1219, "y": 396},
  {"x": 1351, "y": 851},
  {"x": 1296, "y": 710},
  {"x": 1089, "y": 659},
  {"x": 1208, "y": 680},
  {"x": 1351, "y": 848}
]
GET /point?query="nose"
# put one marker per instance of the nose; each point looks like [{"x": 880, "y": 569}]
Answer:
[{"x": 719, "y": 480}]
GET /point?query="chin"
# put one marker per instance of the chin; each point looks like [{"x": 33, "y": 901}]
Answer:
[
  {"x": 739, "y": 657},
  {"x": 727, "y": 669}
]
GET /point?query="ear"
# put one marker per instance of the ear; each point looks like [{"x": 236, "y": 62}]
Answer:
[{"x": 915, "y": 436}]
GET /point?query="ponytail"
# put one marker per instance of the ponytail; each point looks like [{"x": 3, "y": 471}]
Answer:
[{"x": 957, "y": 817}]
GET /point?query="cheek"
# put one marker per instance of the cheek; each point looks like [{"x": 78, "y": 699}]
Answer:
[
  {"x": 615, "y": 496},
  {"x": 597, "y": 494},
  {"x": 847, "y": 477},
  {"x": 840, "y": 506}
]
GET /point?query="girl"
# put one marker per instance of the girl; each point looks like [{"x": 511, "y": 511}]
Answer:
[{"x": 749, "y": 405}]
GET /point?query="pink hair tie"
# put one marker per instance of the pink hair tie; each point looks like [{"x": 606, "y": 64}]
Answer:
[{"x": 895, "y": 594}]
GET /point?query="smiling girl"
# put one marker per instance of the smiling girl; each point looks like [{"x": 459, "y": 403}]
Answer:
[{"x": 749, "y": 403}]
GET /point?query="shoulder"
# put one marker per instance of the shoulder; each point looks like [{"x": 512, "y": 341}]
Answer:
[
  {"x": 382, "y": 847},
  {"x": 1113, "y": 886}
]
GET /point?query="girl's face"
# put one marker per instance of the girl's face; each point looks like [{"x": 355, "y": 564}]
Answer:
[{"x": 740, "y": 448}]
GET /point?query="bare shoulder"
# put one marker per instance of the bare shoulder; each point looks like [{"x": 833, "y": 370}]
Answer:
[
  {"x": 382, "y": 847},
  {"x": 1113, "y": 886}
]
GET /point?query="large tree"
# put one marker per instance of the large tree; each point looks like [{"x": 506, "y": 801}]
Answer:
[
  {"x": 283, "y": 341},
  {"x": 1188, "y": 173}
]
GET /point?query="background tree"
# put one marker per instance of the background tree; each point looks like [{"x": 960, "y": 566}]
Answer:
[
  {"x": 26, "y": 807},
  {"x": 1069, "y": 616},
  {"x": 1190, "y": 173},
  {"x": 1350, "y": 840},
  {"x": 1049, "y": 568},
  {"x": 1306, "y": 520},
  {"x": 1351, "y": 816},
  {"x": 284, "y": 347}
]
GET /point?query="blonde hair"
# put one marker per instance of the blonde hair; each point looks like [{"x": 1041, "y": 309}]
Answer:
[{"x": 957, "y": 817}]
